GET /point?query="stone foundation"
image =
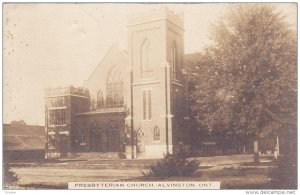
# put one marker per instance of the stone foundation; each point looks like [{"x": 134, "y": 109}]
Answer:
[
  {"x": 52, "y": 155},
  {"x": 156, "y": 151}
]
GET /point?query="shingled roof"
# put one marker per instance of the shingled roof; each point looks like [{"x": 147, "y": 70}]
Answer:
[{"x": 23, "y": 137}]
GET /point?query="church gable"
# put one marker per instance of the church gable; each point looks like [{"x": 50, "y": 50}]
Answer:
[
  {"x": 110, "y": 71},
  {"x": 133, "y": 104}
]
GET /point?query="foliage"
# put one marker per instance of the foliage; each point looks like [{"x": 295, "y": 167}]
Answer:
[
  {"x": 285, "y": 175},
  {"x": 20, "y": 122},
  {"x": 9, "y": 176},
  {"x": 176, "y": 164},
  {"x": 245, "y": 84}
]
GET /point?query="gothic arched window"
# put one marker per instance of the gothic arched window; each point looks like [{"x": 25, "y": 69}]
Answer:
[
  {"x": 112, "y": 126},
  {"x": 156, "y": 133},
  {"x": 174, "y": 60},
  {"x": 95, "y": 126},
  {"x": 146, "y": 66},
  {"x": 114, "y": 89},
  {"x": 100, "y": 100}
]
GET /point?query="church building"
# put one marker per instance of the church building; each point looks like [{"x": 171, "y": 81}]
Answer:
[{"x": 134, "y": 103}]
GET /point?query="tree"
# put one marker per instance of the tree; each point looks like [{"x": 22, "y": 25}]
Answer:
[
  {"x": 248, "y": 87},
  {"x": 20, "y": 122},
  {"x": 10, "y": 178}
]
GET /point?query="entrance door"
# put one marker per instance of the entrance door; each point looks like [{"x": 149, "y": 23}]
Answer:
[
  {"x": 112, "y": 137},
  {"x": 98, "y": 141},
  {"x": 96, "y": 137},
  {"x": 63, "y": 146},
  {"x": 106, "y": 139},
  {"x": 95, "y": 141},
  {"x": 140, "y": 145},
  {"x": 112, "y": 140}
]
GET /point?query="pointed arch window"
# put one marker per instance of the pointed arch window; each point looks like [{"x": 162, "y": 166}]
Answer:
[
  {"x": 146, "y": 66},
  {"x": 112, "y": 126},
  {"x": 147, "y": 107},
  {"x": 156, "y": 133},
  {"x": 95, "y": 126},
  {"x": 174, "y": 63},
  {"x": 114, "y": 89},
  {"x": 100, "y": 100}
]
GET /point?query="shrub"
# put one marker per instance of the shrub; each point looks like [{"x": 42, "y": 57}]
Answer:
[
  {"x": 176, "y": 164},
  {"x": 9, "y": 176},
  {"x": 285, "y": 175}
]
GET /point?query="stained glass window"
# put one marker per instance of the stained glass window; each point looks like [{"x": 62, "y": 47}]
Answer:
[
  {"x": 83, "y": 138},
  {"x": 114, "y": 89},
  {"x": 100, "y": 100},
  {"x": 144, "y": 105},
  {"x": 174, "y": 60},
  {"x": 51, "y": 142},
  {"x": 56, "y": 102},
  {"x": 57, "y": 117},
  {"x": 156, "y": 133},
  {"x": 147, "y": 107},
  {"x": 146, "y": 66}
]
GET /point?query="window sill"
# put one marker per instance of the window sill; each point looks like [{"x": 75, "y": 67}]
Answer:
[
  {"x": 58, "y": 125},
  {"x": 148, "y": 78}
]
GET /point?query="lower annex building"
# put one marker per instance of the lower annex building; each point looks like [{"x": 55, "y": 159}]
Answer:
[{"x": 134, "y": 103}]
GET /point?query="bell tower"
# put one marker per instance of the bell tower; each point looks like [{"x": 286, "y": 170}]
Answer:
[{"x": 155, "y": 52}]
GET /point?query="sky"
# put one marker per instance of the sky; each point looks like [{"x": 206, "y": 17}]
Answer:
[{"x": 51, "y": 45}]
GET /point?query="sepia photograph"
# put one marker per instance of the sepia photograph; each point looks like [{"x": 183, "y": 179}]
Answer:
[{"x": 145, "y": 96}]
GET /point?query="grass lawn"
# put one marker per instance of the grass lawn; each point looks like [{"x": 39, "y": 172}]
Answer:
[{"x": 234, "y": 172}]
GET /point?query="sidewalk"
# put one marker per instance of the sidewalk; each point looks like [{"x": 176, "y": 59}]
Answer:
[{"x": 212, "y": 161}]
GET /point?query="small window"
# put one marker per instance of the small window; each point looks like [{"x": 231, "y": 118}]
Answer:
[
  {"x": 100, "y": 100},
  {"x": 57, "y": 101},
  {"x": 156, "y": 133},
  {"x": 57, "y": 117},
  {"x": 95, "y": 126},
  {"x": 144, "y": 105},
  {"x": 176, "y": 100},
  {"x": 174, "y": 60},
  {"x": 147, "y": 107},
  {"x": 112, "y": 126},
  {"x": 51, "y": 142},
  {"x": 83, "y": 138}
]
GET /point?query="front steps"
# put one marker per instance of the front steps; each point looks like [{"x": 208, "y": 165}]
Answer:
[{"x": 97, "y": 155}]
